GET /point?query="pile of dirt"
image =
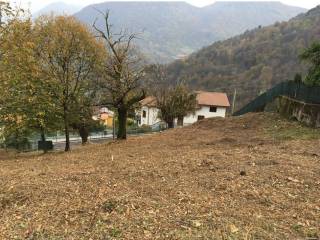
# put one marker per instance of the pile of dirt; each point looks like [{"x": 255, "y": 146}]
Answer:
[{"x": 234, "y": 178}]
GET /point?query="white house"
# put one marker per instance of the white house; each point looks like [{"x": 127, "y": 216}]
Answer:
[
  {"x": 148, "y": 113},
  {"x": 210, "y": 104}
]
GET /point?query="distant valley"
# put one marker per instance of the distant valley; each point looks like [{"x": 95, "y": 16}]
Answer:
[{"x": 173, "y": 30}]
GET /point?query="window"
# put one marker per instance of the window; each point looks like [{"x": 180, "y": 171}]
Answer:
[
  {"x": 213, "y": 109},
  {"x": 144, "y": 114},
  {"x": 200, "y": 117}
]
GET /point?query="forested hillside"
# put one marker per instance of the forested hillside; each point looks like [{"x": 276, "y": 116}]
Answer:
[
  {"x": 253, "y": 61},
  {"x": 171, "y": 30}
]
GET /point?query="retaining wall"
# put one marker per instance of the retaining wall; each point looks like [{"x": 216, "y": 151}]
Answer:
[{"x": 306, "y": 113}]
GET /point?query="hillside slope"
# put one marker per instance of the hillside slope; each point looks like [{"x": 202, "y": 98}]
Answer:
[
  {"x": 175, "y": 29},
  {"x": 179, "y": 184},
  {"x": 251, "y": 62}
]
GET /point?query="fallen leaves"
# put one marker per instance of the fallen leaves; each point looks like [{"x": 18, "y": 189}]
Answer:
[
  {"x": 291, "y": 179},
  {"x": 174, "y": 185},
  {"x": 233, "y": 228},
  {"x": 196, "y": 223}
]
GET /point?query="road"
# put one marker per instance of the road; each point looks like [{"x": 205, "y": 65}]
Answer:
[{"x": 59, "y": 144}]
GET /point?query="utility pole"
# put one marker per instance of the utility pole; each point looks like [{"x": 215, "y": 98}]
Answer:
[{"x": 234, "y": 100}]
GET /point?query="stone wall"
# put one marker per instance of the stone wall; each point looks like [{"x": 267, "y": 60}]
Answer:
[{"x": 308, "y": 114}]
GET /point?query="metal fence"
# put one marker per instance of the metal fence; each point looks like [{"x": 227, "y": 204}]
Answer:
[
  {"x": 58, "y": 140},
  {"x": 298, "y": 91}
]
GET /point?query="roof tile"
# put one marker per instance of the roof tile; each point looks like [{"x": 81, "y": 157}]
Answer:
[{"x": 213, "y": 99}]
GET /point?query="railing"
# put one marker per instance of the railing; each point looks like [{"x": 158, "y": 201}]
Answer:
[
  {"x": 298, "y": 91},
  {"x": 59, "y": 140}
]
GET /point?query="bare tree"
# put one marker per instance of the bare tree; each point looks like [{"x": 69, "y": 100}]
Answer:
[
  {"x": 174, "y": 99},
  {"x": 185, "y": 102},
  {"x": 123, "y": 73},
  {"x": 161, "y": 88}
]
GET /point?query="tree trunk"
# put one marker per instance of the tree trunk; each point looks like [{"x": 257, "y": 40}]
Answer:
[
  {"x": 170, "y": 124},
  {"x": 66, "y": 128},
  {"x": 43, "y": 139},
  {"x": 84, "y": 134},
  {"x": 180, "y": 121},
  {"x": 43, "y": 136},
  {"x": 122, "y": 123}
]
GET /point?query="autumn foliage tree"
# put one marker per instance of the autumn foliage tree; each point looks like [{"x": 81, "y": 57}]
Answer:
[
  {"x": 122, "y": 73},
  {"x": 7, "y": 14},
  {"x": 48, "y": 73},
  {"x": 15, "y": 77},
  {"x": 25, "y": 106},
  {"x": 69, "y": 55}
]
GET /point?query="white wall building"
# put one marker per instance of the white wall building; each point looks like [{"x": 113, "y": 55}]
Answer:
[
  {"x": 210, "y": 104},
  {"x": 148, "y": 113}
]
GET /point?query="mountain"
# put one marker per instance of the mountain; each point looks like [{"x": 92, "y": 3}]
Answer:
[
  {"x": 251, "y": 62},
  {"x": 58, "y": 8},
  {"x": 174, "y": 30}
]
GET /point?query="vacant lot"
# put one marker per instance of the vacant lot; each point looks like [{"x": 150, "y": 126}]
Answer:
[{"x": 250, "y": 177}]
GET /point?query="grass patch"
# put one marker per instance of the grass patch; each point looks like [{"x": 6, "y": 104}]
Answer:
[{"x": 291, "y": 130}]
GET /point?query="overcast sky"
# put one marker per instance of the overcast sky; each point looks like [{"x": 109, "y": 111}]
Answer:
[{"x": 38, "y": 4}]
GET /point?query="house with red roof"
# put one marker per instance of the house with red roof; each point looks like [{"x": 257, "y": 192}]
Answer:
[{"x": 209, "y": 105}]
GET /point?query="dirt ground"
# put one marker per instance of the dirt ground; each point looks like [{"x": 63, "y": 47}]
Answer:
[{"x": 250, "y": 177}]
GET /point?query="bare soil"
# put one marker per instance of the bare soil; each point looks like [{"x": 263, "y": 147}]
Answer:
[{"x": 250, "y": 177}]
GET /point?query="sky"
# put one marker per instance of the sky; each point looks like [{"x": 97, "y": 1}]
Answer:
[{"x": 38, "y": 4}]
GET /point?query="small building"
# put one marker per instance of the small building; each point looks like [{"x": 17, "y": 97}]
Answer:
[
  {"x": 148, "y": 114},
  {"x": 104, "y": 115},
  {"x": 209, "y": 104}
]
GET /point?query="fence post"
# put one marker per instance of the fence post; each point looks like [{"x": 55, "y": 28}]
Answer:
[
  {"x": 113, "y": 128},
  {"x": 234, "y": 101}
]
